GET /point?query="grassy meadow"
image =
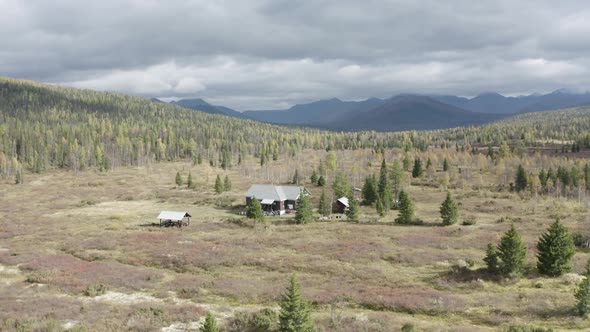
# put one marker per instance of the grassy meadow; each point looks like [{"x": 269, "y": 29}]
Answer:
[{"x": 81, "y": 251}]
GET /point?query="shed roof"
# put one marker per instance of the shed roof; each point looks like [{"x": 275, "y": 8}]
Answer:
[
  {"x": 173, "y": 215},
  {"x": 344, "y": 201},
  {"x": 276, "y": 193}
]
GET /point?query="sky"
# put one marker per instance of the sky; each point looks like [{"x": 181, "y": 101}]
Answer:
[{"x": 270, "y": 54}]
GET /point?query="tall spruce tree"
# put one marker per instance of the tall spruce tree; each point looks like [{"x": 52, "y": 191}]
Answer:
[
  {"x": 296, "y": 177},
  {"x": 353, "y": 209},
  {"x": 449, "y": 211},
  {"x": 397, "y": 178},
  {"x": 295, "y": 311},
  {"x": 555, "y": 250},
  {"x": 314, "y": 177},
  {"x": 254, "y": 210},
  {"x": 445, "y": 165},
  {"x": 178, "y": 179},
  {"x": 189, "y": 180},
  {"x": 304, "y": 212},
  {"x": 521, "y": 181},
  {"x": 512, "y": 253},
  {"x": 218, "y": 185},
  {"x": 417, "y": 171},
  {"x": 583, "y": 293},
  {"x": 384, "y": 189},
  {"x": 210, "y": 324},
  {"x": 406, "y": 209},
  {"x": 491, "y": 259},
  {"x": 325, "y": 206},
  {"x": 369, "y": 190},
  {"x": 226, "y": 184}
]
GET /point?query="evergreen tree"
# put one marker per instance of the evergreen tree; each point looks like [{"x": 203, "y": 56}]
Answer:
[
  {"x": 512, "y": 253},
  {"x": 199, "y": 159},
  {"x": 417, "y": 171},
  {"x": 543, "y": 179},
  {"x": 19, "y": 177},
  {"x": 449, "y": 212},
  {"x": 295, "y": 311},
  {"x": 341, "y": 186},
  {"x": 428, "y": 163},
  {"x": 296, "y": 177},
  {"x": 379, "y": 207},
  {"x": 210, "y": 324},
  {"x": 587, "y": 176},
  {"x": 189, "y": 181},
  {"x": 226, "y": 184},
  {"x": 218, "y": 185},
  {"x": 321, "y": 181},
  {"x": 325, "y": 206},
  {"x": 304, "y": 212},
  {"x": 555, "y": 250},
  {"x": 353, "y": 209},
  {"x": 521, "y": 180},
  {"x": 314, "y": 177},
  {"x": 178, "y": 179},
  {"x": 406, "y": 209},
  {"x": 254, "y": 210},
  {"x": 491, "y": 259},
  {"x": 397, "y": 178},
  {"x": 384, "y": 189},
  {"x": 583, "y": 293},
  {"x": 445, "y": 165},
  {"x": 369, "y": 190}
]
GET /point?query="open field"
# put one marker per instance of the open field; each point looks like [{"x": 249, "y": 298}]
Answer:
[{"x": 62, "y": 234}]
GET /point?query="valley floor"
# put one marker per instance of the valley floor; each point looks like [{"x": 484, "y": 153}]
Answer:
[{"x": 62, "y": 235}]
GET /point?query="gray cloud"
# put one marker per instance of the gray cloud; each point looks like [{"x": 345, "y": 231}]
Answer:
[{"x": 273, "y": 53}]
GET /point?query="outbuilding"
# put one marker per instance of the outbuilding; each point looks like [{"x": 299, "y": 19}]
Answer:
[
  {"x": 341, "y": 205},
  {"x": 174, "y": 218}
]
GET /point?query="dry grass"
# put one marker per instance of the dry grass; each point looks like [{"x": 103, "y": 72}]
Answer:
[{"x": 66, "y": 232}]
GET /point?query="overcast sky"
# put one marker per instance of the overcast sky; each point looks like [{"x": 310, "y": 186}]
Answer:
[{"x": 264, "y": 54}]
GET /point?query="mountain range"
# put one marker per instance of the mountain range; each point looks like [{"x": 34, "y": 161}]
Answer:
[{"x": 403, "y": 112}]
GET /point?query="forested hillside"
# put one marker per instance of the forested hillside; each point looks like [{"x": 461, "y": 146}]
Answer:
[{"x": 45, "y": 126}]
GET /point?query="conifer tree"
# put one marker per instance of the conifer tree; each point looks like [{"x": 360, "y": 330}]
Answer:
[
  {"x": 384, "y": 189},
  {"x": 19, "y": 177},
  {"x": 341, "y": 186},
  {"x": 449, "y": 212},
  {"x": 325, "y": 206},
  {"x": 417, "y": 171},
  {"x": 199, "y": 159},
  {"x": 218, "y": 185},
  {"x": 314, "y": 177},
  {"x": 254, "y": 210},
  {"x": 583, "y": 293},
  {"x": 445, "y": 165},
  {"x": 178, "y": 179},
  {"x": 226, "y": 184},
  {"x": 295, "y": 311},
  {"x": 304, "y": 212},
  {"x": 512, "y": 253},
  {"x": 296, "y": 177},
  {"x": 379, "y": 207},
  {"x": 210, "y": 324},
  {"x": 353, "y": 209},
  {"x": 321, "y": 181},
  {"x": 189, "y": 180},
  {"x": 428, "y": 163},
  {"x": 369, "y": 190},
  {"x": 521, "y": 180},
  {"x": 406, "y": 209},
  {"x": 587, "y": 176},
  {"x": 555, "y": 250},
  {"x": 397, "y": 178},
  {"x": 491, "y": 259}
]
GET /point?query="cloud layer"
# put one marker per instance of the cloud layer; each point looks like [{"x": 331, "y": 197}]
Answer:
[{"x": 260, "y": 54}]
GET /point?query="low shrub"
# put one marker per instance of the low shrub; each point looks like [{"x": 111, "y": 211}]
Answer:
[
  {"x": 95, "y": 290},
  {"x": 469, "y": 222}
]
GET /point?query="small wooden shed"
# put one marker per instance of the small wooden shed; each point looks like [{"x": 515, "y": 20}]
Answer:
[
  {"x": 174, "y": 218},
  {"x": 341, "y": 205}
]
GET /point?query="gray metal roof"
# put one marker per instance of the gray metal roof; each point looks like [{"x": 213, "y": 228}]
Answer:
[
  {"x": 276, "y": 193},
  {"x": 173, "y": 215}
]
